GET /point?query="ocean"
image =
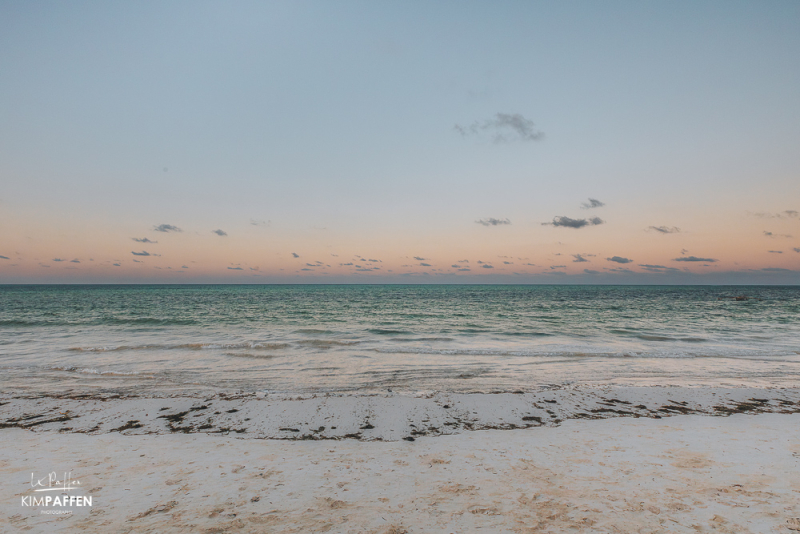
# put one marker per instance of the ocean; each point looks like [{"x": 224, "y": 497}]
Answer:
[{"x": 307, "y": 339}]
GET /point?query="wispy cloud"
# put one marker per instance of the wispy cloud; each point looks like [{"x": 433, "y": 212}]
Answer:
[
  {"x": 75, "y": 261},
  {"x": 504, "y": 127},
  {"x": 166, "y": 228},
  {"x": 143, "y": 240},
  {"x": 420, "y": 258},
  {"x": 619, "y": 259},
  {"x": 696, "y": 259},
  {"x": 796, "y": 249},
  {"x": 219, "y": 232},
  {"x": 591, "y": 271},
  {"x": 491, "y": 221},
  {"x": 775, "y": 251},
  {"x": 425, "y": 265},
  {"x": 657, "y": 268},
  {"x": 771, "y": 234},
  {"x": 593, "y": 203},
  {"x": 487, "y": 266},
  {"x": 566, "y": 222},
  {"x": 59, "y": 259},
  {"x": 579, "y": 258},
  {"x": 665, "y": 229},
  {"x": 786, "y": 214},
  {"x": 4, "y": 258},
  {"x": 235, "y": 269},
  {"x": 116, "y": 265},
  {"x": 258, "y": 222},
  {"x": 295, "y": 255},
  {"x": 142, "y": 253}
]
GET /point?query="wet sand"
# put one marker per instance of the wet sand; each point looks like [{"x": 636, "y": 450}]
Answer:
[{"x": 676, "y": 470}]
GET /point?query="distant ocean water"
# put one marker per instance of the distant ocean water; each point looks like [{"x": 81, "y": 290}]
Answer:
[{"x": 342, "y": 338}]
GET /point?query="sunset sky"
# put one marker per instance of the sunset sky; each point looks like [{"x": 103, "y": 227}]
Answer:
[{"x": 400, "y": 142}]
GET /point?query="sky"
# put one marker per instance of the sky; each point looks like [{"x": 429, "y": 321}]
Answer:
[{"x": 400, "y": 142}]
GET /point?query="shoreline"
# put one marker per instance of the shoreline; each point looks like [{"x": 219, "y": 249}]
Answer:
[{"x": 376, "y": 417}]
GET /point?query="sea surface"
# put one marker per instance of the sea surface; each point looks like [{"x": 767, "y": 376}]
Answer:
[{"x": 406, "y": 338}]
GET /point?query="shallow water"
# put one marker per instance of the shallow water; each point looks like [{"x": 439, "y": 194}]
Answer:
[{"x": 372, "y": 338}]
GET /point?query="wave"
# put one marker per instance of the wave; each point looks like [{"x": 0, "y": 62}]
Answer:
[
  {"x": 92, "y": 371},
  {"x": 387, "y": 331},
  {"x": 108, "y": 321},
  {"x": 189, "y": 346},
  {"x": 326, "y": 343},
  {"x": 250, "y": 355},
  {"x": 314, "y": 331}
]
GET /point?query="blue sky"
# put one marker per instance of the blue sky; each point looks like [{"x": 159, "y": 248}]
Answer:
[{"x": 334, "y": 131}]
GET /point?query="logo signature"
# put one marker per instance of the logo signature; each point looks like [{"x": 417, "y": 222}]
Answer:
[{"x": 54, "y": 482}]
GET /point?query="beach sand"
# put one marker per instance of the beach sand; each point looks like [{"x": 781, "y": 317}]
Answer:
[{"x": 604, "y": 471}]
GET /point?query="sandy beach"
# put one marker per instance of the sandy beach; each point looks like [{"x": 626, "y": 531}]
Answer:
[{"x": 591, "y": 460}]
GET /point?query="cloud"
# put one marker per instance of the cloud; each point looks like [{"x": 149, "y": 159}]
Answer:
[
  {"x": 776, "y": 270},
  {"x": 504, "y": 127},
  {"x": 487, "y": 266},
  {"x": 257, "y": 222},
  {"x": 418, "y": 258},
  {"x": 657, "y": 268},
  {"x": 59, "y": 259},
  {"x": 4, "y": 258},
  {"x": 295, "y": 255},
  {"x": 454, "y": 266},
  {"x": 665, "y": 229},
  {"x": 75, "y": 261},
  {"x": 116, "y": 265},
  {"x": 508, "y": 263},
  {"x": 465, "y": 269},
  {"x": 463, "y": 261},
  {"x": 425, "y": 265},
  {"x": 786, "y": 214},
  {"x": 143, "y": 240},
  {"x": 694, "y": 258},
  {"x": 491, "y": 221},
  {"x": 574, "y": 223},
  {"x": 184, "y": 266},
  {"x": 591, "y": 271},
  {"x": 579, "y": 258},
  {"x": 619, "y": 259},
  {"x": 775, "y": 251},
  {"x": 138, "y": 261},
  {"x": 235, "y": 269},
  {"x": 142, "y": 253},
  {"x": 593, "y": 203},
  {"x": 770, "y": 234},
  {"x": 558, "y": 266},
  {"x": 796, "y": 249},
  {"x": 219, "y": 232},
  {"x": 166, "y": 228}
]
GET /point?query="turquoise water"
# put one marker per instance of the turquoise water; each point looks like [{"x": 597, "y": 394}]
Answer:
[{"x": 373, "y": 338}]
